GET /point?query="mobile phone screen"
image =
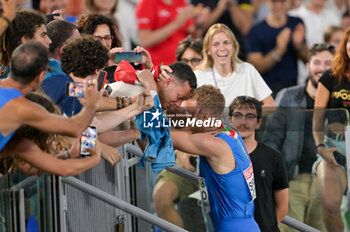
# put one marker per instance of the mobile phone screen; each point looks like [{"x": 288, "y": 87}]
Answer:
[
  {"x": 75, "y": 89},
  {"x": 130, "y": 56},
  {"x": 88, "y": 140},
  {"x": 101, "y": 79}
]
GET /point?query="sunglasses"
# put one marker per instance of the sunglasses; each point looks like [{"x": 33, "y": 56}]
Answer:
[{"x": 320, "y": 46}]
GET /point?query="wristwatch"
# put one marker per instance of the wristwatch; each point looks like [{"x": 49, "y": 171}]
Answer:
[{"x": 275, "y": 56}]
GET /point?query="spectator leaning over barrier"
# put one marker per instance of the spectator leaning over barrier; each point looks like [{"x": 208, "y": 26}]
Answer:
[
  {"x": 332, "y": 92},
  {"x": 29, "y": 65},
  {"x": 270, "y": 173},
  {"x": 290, "y": 132},
  {"x": 222, "y": 68},
  {"x": 33, "y": 151},
  {"x": 83, "y": 58},
  {"x": 27, "y": 25},
  {"x": 224, "y": 163}
]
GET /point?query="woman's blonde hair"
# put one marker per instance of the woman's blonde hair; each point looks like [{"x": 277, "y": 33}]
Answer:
[{"x": 208, "y": 61}]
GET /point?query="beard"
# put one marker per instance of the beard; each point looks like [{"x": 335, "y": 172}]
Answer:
[{"x": 313, "y": 82}]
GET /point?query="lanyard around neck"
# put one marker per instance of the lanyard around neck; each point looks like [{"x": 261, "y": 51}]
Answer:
[{"x": 214, "y": 78}]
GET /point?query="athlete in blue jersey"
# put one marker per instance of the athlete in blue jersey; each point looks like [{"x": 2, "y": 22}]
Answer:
[
  {"x": 224, "y": 163},
  {"x": 28, "y": 68},
  {"x": 7, "y": 95}
]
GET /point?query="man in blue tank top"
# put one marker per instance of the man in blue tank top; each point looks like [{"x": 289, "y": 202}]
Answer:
[
  {"x": 28, "y": 69},
  {"x": 224, "y": 162}
]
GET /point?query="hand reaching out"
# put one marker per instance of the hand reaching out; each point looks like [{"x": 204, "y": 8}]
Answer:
[
  {"x": 147, "y": 80},
  {"x": 146, "y": 57},
  {"x": 164, "y": 72},
  {"x": 145, "y": 100}
]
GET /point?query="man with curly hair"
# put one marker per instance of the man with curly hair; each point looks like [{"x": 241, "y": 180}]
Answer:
[
  {"x": 82, "y": 59},
  {"x": 27, "y": 25},
  {"x": 28, "y": 68}
]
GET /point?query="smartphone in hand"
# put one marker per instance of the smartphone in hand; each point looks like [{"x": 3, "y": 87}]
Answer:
[
  {"x": 130, "y": 56},
  {"x": 341, "y": 160},
  {"x": 75, "y": 89},
  {"x": 49, "y": 17},
  {"x": 88, "y": 140},
  {"x": 101, "y": 80}
]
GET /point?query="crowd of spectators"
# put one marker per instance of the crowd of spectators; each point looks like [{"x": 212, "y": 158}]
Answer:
[{"x": 248, "y": 56}]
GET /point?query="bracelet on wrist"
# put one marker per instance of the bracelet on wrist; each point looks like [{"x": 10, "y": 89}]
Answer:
[
  {"x": 275, "y": 56},
  {"x": 320, "y": 145}
]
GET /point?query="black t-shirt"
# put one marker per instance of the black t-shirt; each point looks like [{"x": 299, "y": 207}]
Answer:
[
  {"x": 270, "y": 174},
  {"x": 308, "y": 154},
  {"x": 339, "y": 98},
  {"x": 226, "y": 19}
]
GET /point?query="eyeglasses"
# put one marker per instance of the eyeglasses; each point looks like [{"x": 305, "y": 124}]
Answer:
[
  {"x": 248, "y": 117},
  {"x": 193, "y": 61},
  {"x": 105, "y": 38},
  {"x": 323, "y": 46}
]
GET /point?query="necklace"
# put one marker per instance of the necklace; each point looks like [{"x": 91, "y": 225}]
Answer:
[{"x": 214, "y": 77}]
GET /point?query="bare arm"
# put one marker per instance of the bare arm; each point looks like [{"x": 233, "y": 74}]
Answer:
[
  {"x": 110, "y": 120},
  {"x": 269, "y": 103},
  {"x": 32, "y": 154},
  {"x": 149, "y": 38},
  {"x": 200, "y": 144},
  {"x": 119, "y": 138},
  {"x": 262, "y": 62},
  {"x": 9, "y": 11},
  {"x": 32, "y": 114},
  {"x": 281, "y": 203},
  {"x": 216, "y": 13},
  {"x": 241, "y": 18},
  {"x": 109, "y": 153},
  {"x": 36, "y": 116},
  {"x": 321, "y": 102},
  {"x": 107, "y": 104},
  {"x": 318, "y": 130}
]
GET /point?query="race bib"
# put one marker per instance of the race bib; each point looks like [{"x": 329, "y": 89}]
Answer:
[
  {"x": 204, "y": 194},
  {"x": 249, "y": 178}
]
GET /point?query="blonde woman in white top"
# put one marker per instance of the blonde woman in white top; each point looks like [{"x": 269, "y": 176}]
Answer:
[{"x": 223, "y": 69}]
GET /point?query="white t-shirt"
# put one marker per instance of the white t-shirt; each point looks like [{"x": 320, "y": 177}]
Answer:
[
  {"x": 316, "y": 24},
  {"x": 245, "y": 80}
]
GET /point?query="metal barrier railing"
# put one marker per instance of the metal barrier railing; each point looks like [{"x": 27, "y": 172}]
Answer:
[
  {"x": 127, "y": 207},
  {"x": 135, "y": 150},
  {"x": 112, "y": 200}
]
